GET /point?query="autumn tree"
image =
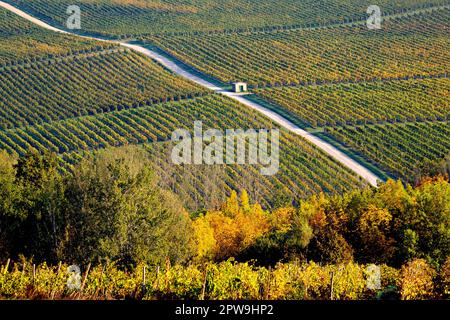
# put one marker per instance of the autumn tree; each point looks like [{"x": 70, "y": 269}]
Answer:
[
  {"x": 375, "y": 240},
  {"x": 417, "y": 280},
  {"x": 235, "y": 227}
]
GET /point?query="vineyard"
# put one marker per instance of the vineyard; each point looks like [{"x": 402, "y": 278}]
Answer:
[
  {"x": 365, "y": 103},
  {"x": 22, "y": 41},
  {"x": 406, "y": 46},
  {"x": 79, "y": 101},
  {"x": 85, "y": 84},
  {"x": 87, "y": 175},
  {"x": 226, "y": 280},
  {"x": 398, "y": 148},
  {"x": 303, "y": 169},
  {"x": 122, "y": 18}
]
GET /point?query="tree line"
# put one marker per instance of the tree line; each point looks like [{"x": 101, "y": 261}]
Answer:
[{"x": 110, "y": 208}]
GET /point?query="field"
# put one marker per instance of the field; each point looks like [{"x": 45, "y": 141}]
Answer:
[
  {"x": 83, "y": 84},
  {"x": 328, "y": 79},
  {"x": 398, "y": 148},
  {"x": 343, "y": 76},
  {"x": 364, "y": 103},
  {"x": 406, "y": 46},
  {"x": 285, "y": 281},
  {"x": 87, "y": 174},
  {"x": 396, "y": 125},
  {"x": 124, "y": 18},
  {"x": 22, "y": 41},
  {"x": 106, "y": 96},
  {"x": 303, "y": 170}
]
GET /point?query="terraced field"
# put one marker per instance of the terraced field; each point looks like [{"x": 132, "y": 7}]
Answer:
[
  {"x": 365, "y": 103},
  {"x": 406, "y": 46},
  {"x": 21, "y": 41},
  {"x": 137, "y": 17}
]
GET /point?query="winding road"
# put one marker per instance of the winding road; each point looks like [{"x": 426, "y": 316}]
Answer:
[{"x": 333, "y": 152}]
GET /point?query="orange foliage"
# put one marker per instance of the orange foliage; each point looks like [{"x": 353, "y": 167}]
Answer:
[{"x": 234, "y": 227}]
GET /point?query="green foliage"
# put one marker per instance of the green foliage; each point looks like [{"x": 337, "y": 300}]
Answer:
[
  {"x": 364, "y": 102},
  {"x": 31, "y": 206},
  {"x": 109, "y": 209}
]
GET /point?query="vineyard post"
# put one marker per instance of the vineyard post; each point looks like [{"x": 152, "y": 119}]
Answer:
[
  {"x": 143, "y": 280},
  {"x": 269, "y": 276},
  {"x": 157, "y": 278},
  {"x": 332, "y": 286},
  {"x": 56, "y": 282},
  {"x": 204, "y": 284},
  {"x": 34, "y": 273},
  {"x": 6, "y": 266},
  {"x": 84, "y": 280},
  {"x": 101, "y": 283}
]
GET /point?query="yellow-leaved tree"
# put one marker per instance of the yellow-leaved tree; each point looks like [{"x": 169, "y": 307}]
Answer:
[{"x": 226, "y": 232}]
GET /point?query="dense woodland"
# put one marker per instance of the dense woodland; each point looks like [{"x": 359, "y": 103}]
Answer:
[{"x": 110, "y": 211}]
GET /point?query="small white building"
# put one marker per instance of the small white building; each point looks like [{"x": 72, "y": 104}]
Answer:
[{"x": 239, "y": 87}]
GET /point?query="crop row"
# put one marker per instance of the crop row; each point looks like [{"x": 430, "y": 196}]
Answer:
[
  {"x": 21, "y": 40},
  {"x": 365, "y": 103},
  {"x": 303, "y": 169},
  {"x": 86, "y": 84},
  {"x": 413, "y": 45},
  {"x": 125, "y": 18},
  {"x": 397, "y": 148}
]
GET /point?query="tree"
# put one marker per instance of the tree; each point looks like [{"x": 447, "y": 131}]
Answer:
[
  {"x": 376, "y": 244},
  {"x": 38, "y": 199},
  {"x": 417, "y": 280},
  {"x": 117, "y": 212},
  {"x": 236, "y": 226},
  {"x": 8, "y": 197}
]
